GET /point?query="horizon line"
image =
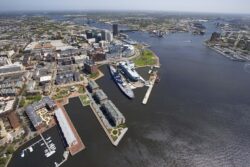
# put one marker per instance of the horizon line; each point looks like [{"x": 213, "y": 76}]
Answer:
[{"x": 120, "y": 10}]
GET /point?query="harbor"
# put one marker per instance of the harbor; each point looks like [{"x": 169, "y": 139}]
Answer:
[
  {"x": 182, "y": 115},
  {"x": 48, "y": 147}
]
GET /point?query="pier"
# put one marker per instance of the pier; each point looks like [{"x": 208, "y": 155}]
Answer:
[
  {"x": 107, "y": 127},
  {"x": 45, "y": 142},
  {"x": 73, "y": 139},
  {"x": 150, "y": 87}
]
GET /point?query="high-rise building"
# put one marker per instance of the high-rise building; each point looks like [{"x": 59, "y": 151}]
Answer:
[
  {"x": 107, "y": 36},
  {"x": 115, "y": 29}
]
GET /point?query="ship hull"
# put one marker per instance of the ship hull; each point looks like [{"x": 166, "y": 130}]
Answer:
[{"x": 125, "y": 90}]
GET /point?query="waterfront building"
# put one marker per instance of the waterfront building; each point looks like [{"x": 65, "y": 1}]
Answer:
[
  {"x": 93, "y": 86},
  {"x": 100, "y": 96},
  {"x": 65, "y": 127},
  {"x": 115, "y": 30},
  {"x": 90, "y": 67},
  {"x": 113, "y": 113}
]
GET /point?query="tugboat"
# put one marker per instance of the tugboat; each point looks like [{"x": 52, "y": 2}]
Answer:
[{"x": 124, "y": 87}]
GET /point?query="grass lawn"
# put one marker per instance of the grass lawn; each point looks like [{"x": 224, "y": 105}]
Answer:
[
  {"x": 85, "y": 100},
  {"x": 147, "y": 58},
  {"x": 29, "y": 100},
  {"x": 94, "y": 75},
  {"x": 81, "y": 89},
  {"x": 60, "y": 93}
]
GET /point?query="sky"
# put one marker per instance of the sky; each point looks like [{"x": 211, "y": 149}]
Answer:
[{"x": 211, "y": 6}]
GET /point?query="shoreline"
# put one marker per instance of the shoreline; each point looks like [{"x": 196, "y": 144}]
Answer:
[{"x": 231, "y": 57}]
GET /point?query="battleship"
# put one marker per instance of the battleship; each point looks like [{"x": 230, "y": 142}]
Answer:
[{"x": 124, "y": 87}]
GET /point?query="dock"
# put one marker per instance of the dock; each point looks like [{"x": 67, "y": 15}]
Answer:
[
  {"x": 73, "y": 139},
  {"x": 146, "y": 97},
  {"x": 45, "y": 142}
]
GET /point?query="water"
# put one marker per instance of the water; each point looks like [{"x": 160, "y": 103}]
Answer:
[
  {"x": 37, "y": 157},
  {"x": 197, "y": 116}
]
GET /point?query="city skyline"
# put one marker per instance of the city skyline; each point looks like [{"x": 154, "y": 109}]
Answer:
[{"x": 212, "y": 6}]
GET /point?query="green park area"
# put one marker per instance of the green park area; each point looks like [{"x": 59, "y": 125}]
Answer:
[
  {"x": 61, "y": 93},
  {"x": 94, "y": 75},
  {"x": 84, "y": 100},
  {"x": 147, "y": 58},
  {"x": 116, "y": 132},
  {"x": 29, "y": 100}
]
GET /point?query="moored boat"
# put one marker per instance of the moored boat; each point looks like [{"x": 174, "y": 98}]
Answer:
[{"x": 124, "y": 87}]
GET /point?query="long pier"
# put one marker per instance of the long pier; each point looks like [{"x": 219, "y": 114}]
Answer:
[{"x": 146, "y": 97}]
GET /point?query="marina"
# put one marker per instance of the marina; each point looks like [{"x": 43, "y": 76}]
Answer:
[{"x": 47, "y": 147}]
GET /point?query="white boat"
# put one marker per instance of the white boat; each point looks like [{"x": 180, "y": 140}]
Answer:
[
  {"x": 48, "y": 138},
  {"x": 50, "y": 153},
  {"x": 22, "y": 154},
  {"x": 30, "y": 149}
]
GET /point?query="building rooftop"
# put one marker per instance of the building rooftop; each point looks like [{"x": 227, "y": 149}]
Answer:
[
  {"x": 100, "y": 95},
  {"x": 65, "y": 127},
  {"x": 14, "y": 120},
  {"x": 112, "y": 109},
  {"x": 45, "y": 78},
  {"x": 93, "y": 84},
  {"x": 31, "y": 109}
]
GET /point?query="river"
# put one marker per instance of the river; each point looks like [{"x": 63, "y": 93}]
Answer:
[{"x": 197, "y": 116}]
